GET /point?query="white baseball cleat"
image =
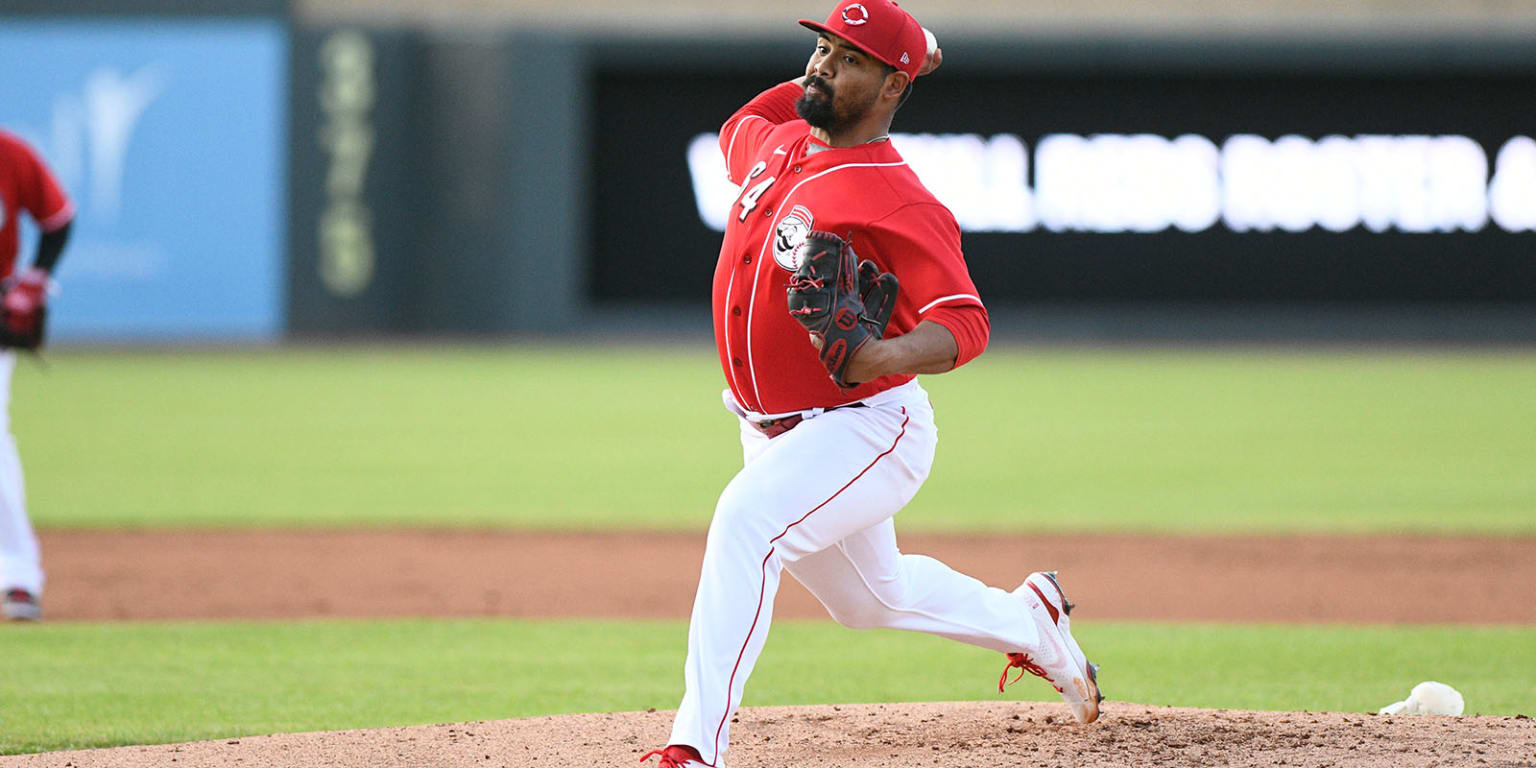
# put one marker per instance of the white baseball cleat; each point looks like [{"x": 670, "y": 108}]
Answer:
[{"x": 1060, "y": 661}]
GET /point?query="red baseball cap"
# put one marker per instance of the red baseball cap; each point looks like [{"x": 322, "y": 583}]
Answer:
[{"x": 881, "y": 29}]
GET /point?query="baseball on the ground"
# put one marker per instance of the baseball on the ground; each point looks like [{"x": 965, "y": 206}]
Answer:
[{"x": 1428, "y": 698}]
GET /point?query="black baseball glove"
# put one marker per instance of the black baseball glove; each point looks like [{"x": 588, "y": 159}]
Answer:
[
  {"x": 840, "y": 300},
  {"x": 23, "y": 310}
]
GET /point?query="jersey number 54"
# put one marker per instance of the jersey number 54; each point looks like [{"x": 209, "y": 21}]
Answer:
[{"x": 749, "y": 196}]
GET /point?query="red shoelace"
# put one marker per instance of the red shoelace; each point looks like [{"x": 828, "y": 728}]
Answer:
[
  {"x": 1025, "y": 664},
  {"x": 672, "y": 756}
]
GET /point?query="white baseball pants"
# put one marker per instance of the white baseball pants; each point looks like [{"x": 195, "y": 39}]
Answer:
[
  {"x": 20, "y": 562},
  {"x": 818, "y": 501}
]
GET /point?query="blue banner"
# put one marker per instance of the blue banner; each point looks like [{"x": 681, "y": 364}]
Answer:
[{"x": 170, "y": 137}]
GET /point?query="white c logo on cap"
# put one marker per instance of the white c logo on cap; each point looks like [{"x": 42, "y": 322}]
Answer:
[{"x": 855, "y": 14}]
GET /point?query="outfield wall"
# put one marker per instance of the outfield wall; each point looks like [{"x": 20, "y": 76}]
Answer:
[
  {"x": 317, "y": 178},
  {"x": 1157, "y": 176}
]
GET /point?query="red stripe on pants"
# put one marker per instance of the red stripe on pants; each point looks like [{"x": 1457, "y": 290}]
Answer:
[{"x": 763, "y": 586}]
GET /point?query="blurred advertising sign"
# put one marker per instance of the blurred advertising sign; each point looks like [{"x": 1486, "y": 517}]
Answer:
[
  {"x": 170, "y": 135},
  {"x": 1216, "y": 184},
  {"x": 1111, "y": 183}
]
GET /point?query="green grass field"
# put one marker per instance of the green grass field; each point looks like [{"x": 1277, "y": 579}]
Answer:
[
  {"x": 594, "y": 437},
  {"x": 591, "y": 437},
  {"x": 90, "y": 685}
]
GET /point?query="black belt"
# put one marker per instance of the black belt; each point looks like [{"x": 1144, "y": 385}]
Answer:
[{"x": 775, "y": 427}]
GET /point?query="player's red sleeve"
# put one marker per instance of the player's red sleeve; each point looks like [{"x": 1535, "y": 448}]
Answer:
[
  {"x": 920, "y": 242},
  {"x": 39, "y": 192},
  {"x": 742, "y": 135},
  {"x": 969, "y": 325}
]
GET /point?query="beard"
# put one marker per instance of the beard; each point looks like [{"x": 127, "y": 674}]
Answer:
[
  {"x": 819, "y": 111},
  {"x": 822, "y": 111}
]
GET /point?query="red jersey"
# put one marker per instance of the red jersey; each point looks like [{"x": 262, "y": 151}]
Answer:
[
  {"x": 865, "y": 194},
  {"x": 26, "y": 184}
]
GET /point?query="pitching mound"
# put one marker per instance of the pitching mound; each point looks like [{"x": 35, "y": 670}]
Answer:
[{"x": 949, "y": 735}]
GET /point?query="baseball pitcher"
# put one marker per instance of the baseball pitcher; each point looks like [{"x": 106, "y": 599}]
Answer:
[{"x": 839, "y": 279}]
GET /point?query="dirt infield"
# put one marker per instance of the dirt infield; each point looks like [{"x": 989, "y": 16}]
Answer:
[
  {"x": 950, "y": 735},
  {"x": 284, "y": 574}
]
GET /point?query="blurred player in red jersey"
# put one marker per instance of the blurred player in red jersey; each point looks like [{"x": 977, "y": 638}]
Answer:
[
  {"x": 828, "y": 465},
  {"x": 26, "y": 184}
]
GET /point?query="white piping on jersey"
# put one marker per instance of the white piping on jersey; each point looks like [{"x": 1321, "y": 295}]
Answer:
[
  {"x": 726, "y": 320},
  {"x": 950, "y": 297},
  {"x": 731, "y": 147},
  {"x": 767, "y": 241},
  {"x": 59, "y": 218}
]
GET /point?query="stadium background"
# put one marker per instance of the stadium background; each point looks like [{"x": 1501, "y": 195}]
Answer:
[
  {"x": 460, "y": 170},
  {"x": 368, "y": 301}
]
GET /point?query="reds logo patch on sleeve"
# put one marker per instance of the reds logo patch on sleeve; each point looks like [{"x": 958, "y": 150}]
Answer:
[{"x": 790, "y": 235}]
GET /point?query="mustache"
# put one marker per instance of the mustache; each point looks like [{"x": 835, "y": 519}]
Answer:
[{"x": 819, "y": 83}]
